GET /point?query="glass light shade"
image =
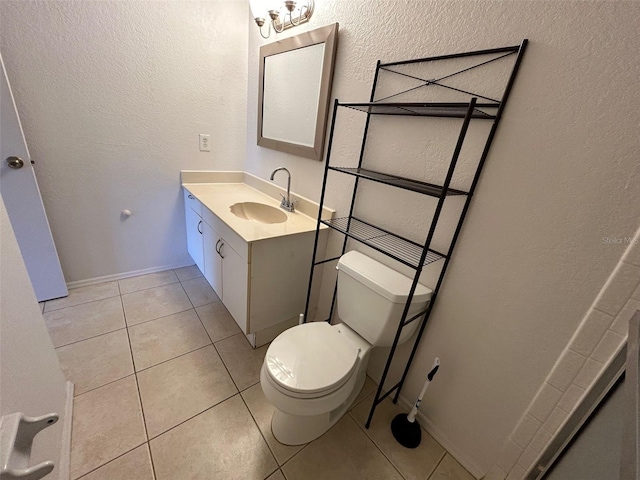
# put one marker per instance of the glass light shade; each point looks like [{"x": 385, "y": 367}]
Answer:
[{"x": 259, "y": 8}]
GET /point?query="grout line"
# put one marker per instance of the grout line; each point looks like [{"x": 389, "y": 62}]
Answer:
[
  {"x": 216, "y": 350},
  {"x": 148, "y": 288},
  {"x": 192, "y": 278},
  {"x": 110, "y": 461},
  {"x": 299, "y": 451},
  {"x": 104, "y": 385},
  {"x": 438, "y": 464},
  {"x": 370, "y": 394},
  {"x": 277, "y": 469},
  {"x": 81, "y": 303},
  {"x": 188, "y": 266},
  {"x": 225, "y": 365},
  {"x": 210, "y": 303},
  {"x": 153, "y": 465},
  {"x": 252, "y": 385},
  {"x": 190, "y": 301},
  {"x": 262, "y": 434},
  {"x": 205, "y": 327},
  {"x": 144, "y": 421},
  {"x": 207, "y": 284},
  {"x": 90, "y": 338},
  {"x": 370, "y": 438},
  {"x": 146, "y": 431},
  {"x": 191, "y": 418},
  {"x": 195, "y": 278},
  {"x": 78, "y": 304},
  {"x": 158, "y": 318},
  {"x": 325, "y": 433},
  {"x": 316, "y": 439},
  {"x": 247, "y": 406},
  {"x": 194, "y": 416},
  {"x": 173, "y": 358},
  {"x": 603, "y": 312},
  {"x": 366, "y": 432}
]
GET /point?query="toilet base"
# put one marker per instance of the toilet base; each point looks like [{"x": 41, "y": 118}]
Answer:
[{"x": 300, "y": 429}]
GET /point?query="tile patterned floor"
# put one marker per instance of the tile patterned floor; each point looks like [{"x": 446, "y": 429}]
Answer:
[{"x": 167, "y": 388}]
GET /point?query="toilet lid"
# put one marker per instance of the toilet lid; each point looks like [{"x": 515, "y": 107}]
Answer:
[{"x": 311, "y": 358}]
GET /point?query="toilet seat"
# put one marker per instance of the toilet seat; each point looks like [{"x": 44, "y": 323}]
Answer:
[{"x": 310, "y": 360}]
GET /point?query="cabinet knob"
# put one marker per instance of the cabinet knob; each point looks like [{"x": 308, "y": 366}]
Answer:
[{"x": 199, "y": 223}]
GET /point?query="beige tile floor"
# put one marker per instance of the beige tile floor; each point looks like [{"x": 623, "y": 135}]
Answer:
[{"x": 167, "y": 388}]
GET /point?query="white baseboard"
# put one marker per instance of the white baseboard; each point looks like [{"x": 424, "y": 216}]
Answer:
[
  {"x": 65, "y": 451},
  {"x": 121, "y": 276},
  {"x": 439, "y": 436}
]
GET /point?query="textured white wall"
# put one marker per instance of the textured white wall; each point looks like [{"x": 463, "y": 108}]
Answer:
[
  {"x": 112, "y": 97},
  {"x": 563, "y": 173}
]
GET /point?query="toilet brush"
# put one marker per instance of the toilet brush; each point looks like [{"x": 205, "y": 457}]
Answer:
[{"x": 404, "y": 427}]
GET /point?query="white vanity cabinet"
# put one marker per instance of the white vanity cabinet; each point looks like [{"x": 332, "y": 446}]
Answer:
[
  {"x": 213, "y": 264},
  {"x": 195, "y": 240},
  {"x": 225, "y": 269},
  {"x": 263, "y": 283}
]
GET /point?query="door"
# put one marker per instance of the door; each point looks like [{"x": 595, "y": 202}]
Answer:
[
  {"x": 31, "y": 380},
  {"x": 21, "y": 196},
  {"x": 236, "y": 286},
  {"x": 212, "y": 259},
  {"x": 194, "y": 237}
]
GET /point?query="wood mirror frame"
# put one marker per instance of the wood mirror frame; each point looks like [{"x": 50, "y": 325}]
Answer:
[{"x": 329, "y": 36}]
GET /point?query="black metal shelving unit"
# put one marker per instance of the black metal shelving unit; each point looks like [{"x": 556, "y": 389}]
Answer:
[{"x": 410, "y": 253}]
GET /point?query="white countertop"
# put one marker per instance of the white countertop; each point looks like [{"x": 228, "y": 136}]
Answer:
[{"x": 219, "y": 197}]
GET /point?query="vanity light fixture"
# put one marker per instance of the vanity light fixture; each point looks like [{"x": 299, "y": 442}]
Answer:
[{"x": 283, "y": 15}]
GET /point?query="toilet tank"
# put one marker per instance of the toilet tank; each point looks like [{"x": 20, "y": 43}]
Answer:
[{"x": 372, "y": 296}]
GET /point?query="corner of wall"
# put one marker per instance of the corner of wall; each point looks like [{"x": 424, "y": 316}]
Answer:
[{"x": 596, "y": 342}]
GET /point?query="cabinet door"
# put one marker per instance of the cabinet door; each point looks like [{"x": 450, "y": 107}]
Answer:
[
  {"x": 212, "y": 260},
  {"x": 236, "y": 287},
  {"x": 194, "y": 237}
]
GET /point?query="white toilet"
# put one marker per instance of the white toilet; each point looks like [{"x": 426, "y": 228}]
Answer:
[{"x": 313, "y": 372}]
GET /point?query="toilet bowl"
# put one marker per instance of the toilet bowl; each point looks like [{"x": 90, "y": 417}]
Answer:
[{"x": 313, "y": 372}]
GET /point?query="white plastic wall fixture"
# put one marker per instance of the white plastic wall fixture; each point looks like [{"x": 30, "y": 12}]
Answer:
[{"x": 16, "y": 438}]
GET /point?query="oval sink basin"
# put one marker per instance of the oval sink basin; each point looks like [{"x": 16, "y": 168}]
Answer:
[{"x": 258, "y": 212}]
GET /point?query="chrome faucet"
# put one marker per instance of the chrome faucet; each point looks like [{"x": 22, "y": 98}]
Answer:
[{"x": 286, "y": 203}]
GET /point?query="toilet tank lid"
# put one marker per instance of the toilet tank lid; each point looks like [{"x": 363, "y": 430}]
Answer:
[{"x": 386, "y": 281}]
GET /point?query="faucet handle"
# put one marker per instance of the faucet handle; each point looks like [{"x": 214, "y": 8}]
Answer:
[{"x": 288, "y": 205}]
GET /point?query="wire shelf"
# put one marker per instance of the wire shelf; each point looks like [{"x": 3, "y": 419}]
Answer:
[
  {"x": 405, "y": 251},
  {"x": 453, "y": 110},
  {"x": 400, "y": 182},
  {"x": 394, "y": 246}
]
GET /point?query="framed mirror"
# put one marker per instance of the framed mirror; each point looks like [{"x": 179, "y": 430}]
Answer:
[{"x": 294, "y": 92}]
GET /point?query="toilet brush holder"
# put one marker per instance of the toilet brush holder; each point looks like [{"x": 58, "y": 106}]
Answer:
[{"x": 404, "y": 427}]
